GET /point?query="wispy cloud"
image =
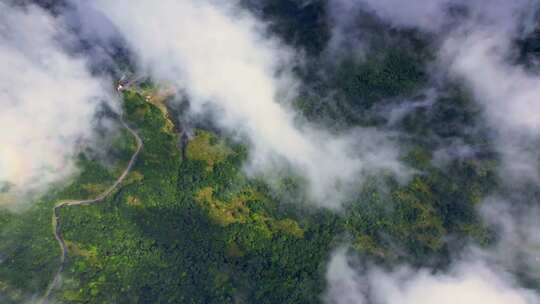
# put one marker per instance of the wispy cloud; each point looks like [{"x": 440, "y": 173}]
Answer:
[
  {"x": 475, "y": 46},
  {"x": 224, "y": 60},
  {"x": 468, "y": 281},
  {"x": 48, "y": 101}
]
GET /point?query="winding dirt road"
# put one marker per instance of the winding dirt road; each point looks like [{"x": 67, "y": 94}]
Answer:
[{"x": 56, "y": 218}]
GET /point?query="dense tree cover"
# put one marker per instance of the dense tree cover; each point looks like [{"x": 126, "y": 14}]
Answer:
[
  {"x": 211, "y": 237},
  {"x": 349, "y": 95},
  {"x": 528, "y": 50},
  {"x": 197, "y": 230},
  {"x": 300, "y": 23}
]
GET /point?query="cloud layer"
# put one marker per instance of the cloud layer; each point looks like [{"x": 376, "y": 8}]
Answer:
[
  {"x": 467, "y": 282},
  {"x": 419, "y": 13},
  {"x": 48, "y": 101},
  {"x": 224, "y": 60},
  {"x": 475, "y": 45}
]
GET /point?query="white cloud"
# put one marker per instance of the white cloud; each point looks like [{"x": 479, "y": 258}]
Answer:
[
  {"x": 477, "y": 47},
  {"x": 434, "y": 15},
  {"x": 345, "y": 285},
  {"x": 467, "y": 282},
  {"x": 510, "y": 94},
  {"x": 223, "y": 59},
  {"x": 480, "y": 55},
  {"x": 479, "y": 51},
  {"x": 420, "y": 13},
  {"x": 516, "y": 222},
  {"x": 48, "y": 100}
]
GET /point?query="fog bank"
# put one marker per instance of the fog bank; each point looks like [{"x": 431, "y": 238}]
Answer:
[
  {"x": 48, "y": 101},
  {"x": 469, "y": 281},
  {"x": 227, "y": 64}
]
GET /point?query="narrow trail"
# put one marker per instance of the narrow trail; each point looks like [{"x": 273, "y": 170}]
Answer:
[{"x": 56, "y": 217}]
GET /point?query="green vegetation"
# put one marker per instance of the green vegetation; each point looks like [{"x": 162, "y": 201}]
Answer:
[
  {"x": 352, "y": 91},
  {"x": 204, "y": 147},
  {"x": 297, "y": 22},
  {"x": 397, "y": 73},
  {"x": 198, "y": 231},
  {"x": 28, "y": 250}
]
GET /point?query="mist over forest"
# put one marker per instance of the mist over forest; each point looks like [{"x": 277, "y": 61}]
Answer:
[{"x": 270, "y": 151}]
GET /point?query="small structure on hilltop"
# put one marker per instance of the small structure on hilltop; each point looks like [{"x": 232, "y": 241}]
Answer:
[{"x": 126, "y": 82}]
